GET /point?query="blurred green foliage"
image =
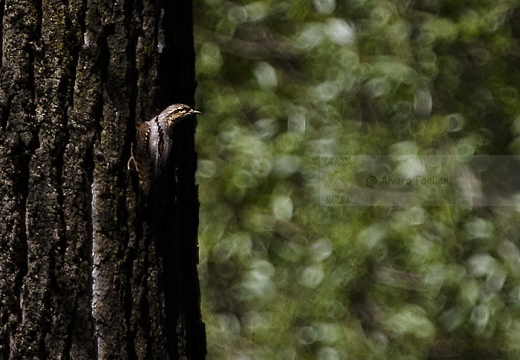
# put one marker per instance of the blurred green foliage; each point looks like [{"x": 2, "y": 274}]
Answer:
[{"x": 281, "y": 82}]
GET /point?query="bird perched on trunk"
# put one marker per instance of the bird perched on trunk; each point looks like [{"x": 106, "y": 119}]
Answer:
[{"x": 153, "y": 144}]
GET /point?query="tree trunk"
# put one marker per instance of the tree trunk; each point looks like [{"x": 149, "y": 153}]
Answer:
[{"x": 86, "y": 271}]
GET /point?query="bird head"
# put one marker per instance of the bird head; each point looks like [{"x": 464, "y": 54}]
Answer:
[{"x": 178, "y": 112}]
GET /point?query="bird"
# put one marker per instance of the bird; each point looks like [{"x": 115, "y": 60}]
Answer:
[{"x": 153, "y": 144}]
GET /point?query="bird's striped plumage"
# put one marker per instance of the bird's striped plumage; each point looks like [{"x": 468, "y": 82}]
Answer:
[{"x": 153, "y": 143}]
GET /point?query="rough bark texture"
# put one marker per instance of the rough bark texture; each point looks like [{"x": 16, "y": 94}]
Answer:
[{"x": 85, "y": 272}]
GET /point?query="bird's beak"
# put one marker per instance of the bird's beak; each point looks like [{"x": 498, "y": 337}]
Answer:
[{"x": 193, "y": 112}]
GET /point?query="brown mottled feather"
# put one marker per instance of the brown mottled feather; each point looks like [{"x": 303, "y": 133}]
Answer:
[{"x": 153, "y": 143}]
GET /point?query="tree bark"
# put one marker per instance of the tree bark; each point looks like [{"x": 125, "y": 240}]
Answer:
[{"x": 85, "y": 271}]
